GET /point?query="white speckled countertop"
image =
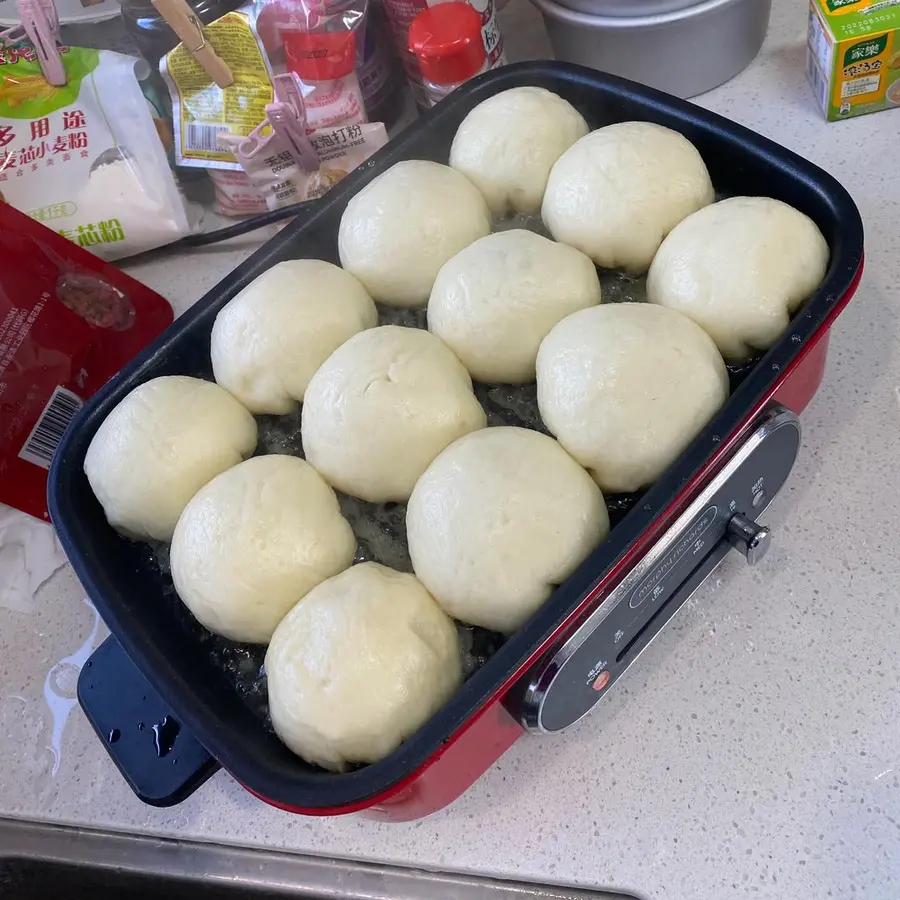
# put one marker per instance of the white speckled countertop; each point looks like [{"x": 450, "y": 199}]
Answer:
[{"x": 754, "y": 751}]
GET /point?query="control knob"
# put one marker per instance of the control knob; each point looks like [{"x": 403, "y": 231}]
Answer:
[{"x": 749, "y": 539}]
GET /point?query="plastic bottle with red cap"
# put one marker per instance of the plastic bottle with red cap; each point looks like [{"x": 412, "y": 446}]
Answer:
[
  {"x": 326, "y": 62},
  {"x": 449, "y": 47}
]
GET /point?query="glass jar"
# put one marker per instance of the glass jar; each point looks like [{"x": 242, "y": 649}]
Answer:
[
  {"x": 447, "y": 43},
  {"x": 401, "y": 13}
]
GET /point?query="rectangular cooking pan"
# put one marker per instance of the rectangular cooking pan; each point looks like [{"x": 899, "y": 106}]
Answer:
[{"x": 446, "y": 755}]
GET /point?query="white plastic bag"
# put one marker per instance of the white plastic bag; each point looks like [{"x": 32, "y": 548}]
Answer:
[{"x": 86, "y": 159}]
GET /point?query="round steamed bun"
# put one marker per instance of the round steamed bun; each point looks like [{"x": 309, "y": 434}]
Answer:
[
  {"x": 254, "y": 541},
  {"x": 382, "y": 407},
  {"x": 507, "y": 145},
  {"x": 618, "y": 192},
  {"x": 363, "y": 661},
  {"x": 159, "y": 446},
  {"x": 739, "y": 268},
  {"x": 625, "y": 387},
  {"x": 398, "y": 231},
  {"x": 269, "y": 340},
  {"x": 495, "y": 301},
  {"x": 497, "y": 520}
]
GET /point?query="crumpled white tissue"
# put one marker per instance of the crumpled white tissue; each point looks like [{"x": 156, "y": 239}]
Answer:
[{"x": 29, "y": 554}]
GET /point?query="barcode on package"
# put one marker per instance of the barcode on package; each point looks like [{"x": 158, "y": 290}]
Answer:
[
  {"x": 203, "y": 138},
  {"x": 47, "y": 433}
]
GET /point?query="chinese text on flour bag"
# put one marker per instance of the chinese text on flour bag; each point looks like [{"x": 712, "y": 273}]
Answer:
[{"x": 86, "y": 158}]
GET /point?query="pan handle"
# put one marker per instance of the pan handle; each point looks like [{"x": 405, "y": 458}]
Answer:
[{"x": 161, "y": 762}]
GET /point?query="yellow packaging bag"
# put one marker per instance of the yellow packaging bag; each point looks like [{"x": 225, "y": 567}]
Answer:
[{"x": 201, "y": 110}]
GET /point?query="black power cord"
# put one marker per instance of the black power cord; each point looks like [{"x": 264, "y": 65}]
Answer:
[{"x": 204, "y": 238}]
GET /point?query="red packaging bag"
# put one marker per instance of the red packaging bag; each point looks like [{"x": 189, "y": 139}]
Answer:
[{"x": 68, "y": 322}]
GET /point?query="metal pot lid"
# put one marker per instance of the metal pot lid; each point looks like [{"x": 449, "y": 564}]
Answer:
[
  {"x": 581, "y": 12},
  {"x": 628, "y": 9}
]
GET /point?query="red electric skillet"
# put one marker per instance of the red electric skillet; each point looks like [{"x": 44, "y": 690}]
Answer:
[{"x": 199, "y": 701}]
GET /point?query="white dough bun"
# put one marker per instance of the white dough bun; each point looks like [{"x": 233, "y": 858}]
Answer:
[
  {"x": 499, "y": 519},
  {"x": 159, "y": 446},
  {"x": 254, "y": 541},
  {"x": 398, "y": 231},
  {"x": 358, "y": 665},
  {"x": 380, "y": 409},
  {"x": 625, "y": 387},
  {"x": 739, "y": 269},
  {"x": 494, "y": 302},
  {"x": 507, "y": 145},
  {"x": 268, "y": 341},
  {"x": 616, "y": 193}
]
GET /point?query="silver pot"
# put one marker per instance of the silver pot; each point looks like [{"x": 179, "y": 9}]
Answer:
[
  {"x": 627, "y": 9},
  {"x": 684, "y": 51}
]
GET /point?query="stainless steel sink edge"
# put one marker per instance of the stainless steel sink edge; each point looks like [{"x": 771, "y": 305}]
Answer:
[{"x": 262, "y": 873}]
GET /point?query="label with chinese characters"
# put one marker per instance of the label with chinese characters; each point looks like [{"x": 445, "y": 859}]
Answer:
[
  {"x": 36, "y": 131},
  {"x": 282, "y": 181},
  {"x": 81, "y": 158},
  {"x": 853, "y": 58},
  {"x": 203, "y": 111},
  {"x": 68, "y": 322}
]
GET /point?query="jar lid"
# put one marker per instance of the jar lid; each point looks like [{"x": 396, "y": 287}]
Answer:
[
  {"x": 319, "y": 55},
  {"x": 447, "y": 42}
]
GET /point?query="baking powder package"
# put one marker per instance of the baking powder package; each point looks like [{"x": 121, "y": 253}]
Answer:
[
  {"x": 282, "y": 181},
  {"x": 87, "y": 158},
  {"x": 68, "y": 322}
]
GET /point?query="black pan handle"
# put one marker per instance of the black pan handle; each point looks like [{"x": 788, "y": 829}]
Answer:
[{"x": 161, "y": 761}]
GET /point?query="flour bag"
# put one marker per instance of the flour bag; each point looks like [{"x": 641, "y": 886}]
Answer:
[{"x": 87, "y": 159}]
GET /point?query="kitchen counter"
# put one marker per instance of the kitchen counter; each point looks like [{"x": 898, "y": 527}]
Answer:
[{"x": 753, "y": 751}]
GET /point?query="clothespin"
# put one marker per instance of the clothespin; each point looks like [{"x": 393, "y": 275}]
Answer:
[
  {"x": 40, "y": 27},
  {"x": 185, "y": 23},
  {"x": 287, "y": 116}
]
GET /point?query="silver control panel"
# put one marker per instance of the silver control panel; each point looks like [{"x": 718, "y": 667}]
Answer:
[{"x": 568, "y": 682}]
